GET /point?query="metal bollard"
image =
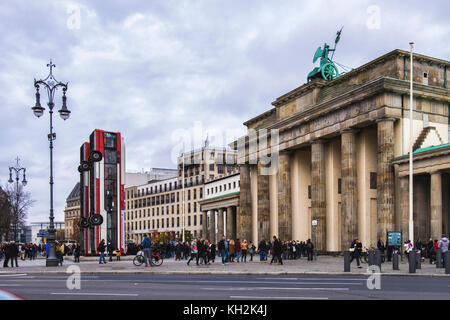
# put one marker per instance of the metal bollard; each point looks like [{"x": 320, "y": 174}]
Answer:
[
  {"x": 395, "y": 261},
  {"x": 447, "y": 262},
  {"x": 439, "y": 258},
  {"x": 377, "y": 258},
  {"x": 371, "y": 258},
  {"x": 412, "y": 261},
  {"x": 346, "y": 261},
  {"x": 418, "y": 260}
]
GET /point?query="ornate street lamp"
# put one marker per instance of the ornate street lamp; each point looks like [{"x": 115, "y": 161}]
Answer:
[
  {"x": 17, "y": 169},
  {"x": 51, "y": 85}
]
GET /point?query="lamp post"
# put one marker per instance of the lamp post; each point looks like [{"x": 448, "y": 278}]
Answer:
[
  {"x": 17, "y": 170},
  {"x": 51, "y": 85},
  {"x": 411, "y": 168}
]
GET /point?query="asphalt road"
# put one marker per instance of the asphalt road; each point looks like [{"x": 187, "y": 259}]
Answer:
[{"x": 222, "y": 287}]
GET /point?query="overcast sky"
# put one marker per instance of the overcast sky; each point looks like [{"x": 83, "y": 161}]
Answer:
[{"x": 153, "y": 70}]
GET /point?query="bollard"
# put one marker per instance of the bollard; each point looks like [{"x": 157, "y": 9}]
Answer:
[
  {"x": 418, "y": 260},
  {"x": 447, "y": 262},
  {"x": 371, "y": 258},
  {"x": 346, "y": 261},
  {"x": 377, "y": 258},
  {"x": 439, "y": 258},
  {"x": 412, "y": 261},
  {"x": 395, "y": 261}
]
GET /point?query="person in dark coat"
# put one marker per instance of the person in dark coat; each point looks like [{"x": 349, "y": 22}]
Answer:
[
  {"x": 14, "y": 252},
  {"x": 7, "y": 251},
  {"x": 356, "y": 247},
  {"x": 309, "y": 249},
  {"x": 277, "y": 250},
  {"x": 110, "y": 251}
]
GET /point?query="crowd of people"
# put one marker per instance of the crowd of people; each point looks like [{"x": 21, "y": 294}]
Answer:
[{"x": 205, "y": 252}]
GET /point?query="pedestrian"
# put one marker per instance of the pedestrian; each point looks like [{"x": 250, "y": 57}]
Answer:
[
  {"x": 277, "y": 250},
  {"x": 238, "y": 248},
  {"x": 147, "y": 248},
  {"x": 178, "y": 251},
  {"x": 244, "y": 251},
  {"x": 443, "y": 245},
  {"x": 430, "y": 247},
  {"x": 232, "y": 250},
  {"x": 7, "y": 252},
  {"x": 212, "y": 252},
  {"x": 223, "y": 246},
  {"x": 309, "y": 249},
  {"x": 110, "y": 251},
  {"x": 408, "y": 248},
  {"x": 101, "y": 248},
  {"x": 262, "y": 248},
  {"x": 77, "y": 252},
  {"x": 14, "y": 252},
  {"x": 355, "y": 249},
  {"x": 252, "y": 250},
  {"x": 194, "y": 251}
]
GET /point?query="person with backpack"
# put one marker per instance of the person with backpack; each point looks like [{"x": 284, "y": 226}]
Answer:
[
  {"x": 101, "y": 248},
  {"x": 223, "y": 248},
  {"x": 262, "y": 248},
  {"x": 355, "y": 249},
  {"x": 443, "y": 245},
  {"x": 147, "y": 248}
]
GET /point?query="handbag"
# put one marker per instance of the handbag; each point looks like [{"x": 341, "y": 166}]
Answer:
[{"x": 351, "y": 249}]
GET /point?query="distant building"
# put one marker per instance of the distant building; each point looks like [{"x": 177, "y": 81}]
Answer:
[
  {"x": 158, "y": 205},
  {"x": 39, "y": 230},
  {"x": 72, "y": 211}
]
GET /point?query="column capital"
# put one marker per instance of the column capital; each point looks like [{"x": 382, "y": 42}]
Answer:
[
  {"x": 435, "y": 172},
  {"x": 317, "y": 140},
  {"x": 348, "y": 130},
  {"x": 384, "y": 119}
]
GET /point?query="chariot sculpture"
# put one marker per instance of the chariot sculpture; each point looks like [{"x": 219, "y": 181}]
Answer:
[{"x": 327, "y": 69}]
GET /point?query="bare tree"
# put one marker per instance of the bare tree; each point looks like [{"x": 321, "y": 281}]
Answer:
[{"x": 20, "y": 202}]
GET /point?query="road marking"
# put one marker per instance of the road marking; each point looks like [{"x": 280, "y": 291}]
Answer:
[
  {"x": 279, "y": 298},
  {"x": 10, "y": 285},
  {"x": 313, "y": 279},
  {"x": 95, "y": 294},
  {"x": 273, "y": 288},
  {"x": 13, "y": 275}
]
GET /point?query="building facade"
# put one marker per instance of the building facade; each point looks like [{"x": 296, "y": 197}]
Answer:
[
  {"x": 161, "y": 205},
  {"x": 72, "y": 212},
  {"x": 219, "y": 207},
  {"x": 340, "y": 148}
]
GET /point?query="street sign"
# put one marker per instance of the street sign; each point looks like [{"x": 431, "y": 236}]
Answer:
[
  {"x": 394, "y": 238},
  {"x": 314, "y": 223}
]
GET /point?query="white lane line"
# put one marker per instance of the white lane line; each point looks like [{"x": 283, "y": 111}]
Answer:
[
  {"x": 273, "y": 288},
  {"x": 13, "y": 275},
  {"x": 95, "y": 294},
  {"x": 9, "y": 285},
  {"x": 278, "y": 298},
  {"x": 313, "y": 279}
]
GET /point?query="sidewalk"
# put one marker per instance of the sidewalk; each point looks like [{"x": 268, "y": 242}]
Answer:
[{"x": 325, "y": 265}]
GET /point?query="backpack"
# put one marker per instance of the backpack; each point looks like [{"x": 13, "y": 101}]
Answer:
[{"x": 309, "y": 245}]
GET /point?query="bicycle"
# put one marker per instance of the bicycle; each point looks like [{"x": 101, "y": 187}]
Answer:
[
  {"x": 365, "y": 255},
  {"x": 156, "y": 259}
]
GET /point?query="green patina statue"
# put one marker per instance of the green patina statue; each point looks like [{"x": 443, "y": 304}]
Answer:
[{"x": 327, "y": 69}]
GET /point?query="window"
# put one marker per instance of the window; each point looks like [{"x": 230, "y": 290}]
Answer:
[
  {"x": 373, "y": 180},
  {"x": 211, "y": 156},
  {"x": 195, "y": 221},
  {"x": 220, "y": 169},
  {"x": 339, "y": 186},
  {"x": 309, "y": 192},
  {"x": 211, "y": 167}
]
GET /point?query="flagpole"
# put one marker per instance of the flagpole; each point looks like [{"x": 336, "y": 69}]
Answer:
[
  {"x": 411, "y": 124},
  {"x": 182, "y": 193}
]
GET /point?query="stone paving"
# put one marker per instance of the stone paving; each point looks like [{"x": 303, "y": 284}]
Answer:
[{"x": 322, "y": 266}]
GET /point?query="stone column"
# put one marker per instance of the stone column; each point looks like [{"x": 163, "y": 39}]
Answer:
[
  {"x": 318, "y": 192},
  {"x": 263, "y": 204},
  {"x": 220, "y": 224},
  {"x": 234, "y": 212},
  {"x": 204, "y": 224},
  {"x": 254, "y": 195},
  {"x": 436, "y": 205},
  {"x": 273, "y": 202},
  {"x": 212, "y": 225},
  {"x": 244, "y": 215},
  {"x": 349, "y": 190},
  {"x": 295, "y": 193},
  {"x": 385, "y": 177},
  {"x": 284, "y": 197}
]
